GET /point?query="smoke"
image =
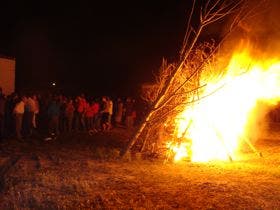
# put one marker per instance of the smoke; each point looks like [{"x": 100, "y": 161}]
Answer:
[
  {"x": 258, "y": 124},
  {"x": 262, "y": 28}
]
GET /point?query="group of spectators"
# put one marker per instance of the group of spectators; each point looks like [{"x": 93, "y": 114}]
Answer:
[{"x": 22, "y": 115}]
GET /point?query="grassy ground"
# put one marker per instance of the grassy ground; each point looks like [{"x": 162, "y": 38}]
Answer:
[{"x": 79, "y": 171}]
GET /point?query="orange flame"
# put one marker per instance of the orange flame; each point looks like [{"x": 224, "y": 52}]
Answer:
[{"x": 218, "y": 123}]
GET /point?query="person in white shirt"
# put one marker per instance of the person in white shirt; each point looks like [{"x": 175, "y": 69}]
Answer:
[
  {"x": 18, "y": 113},
  {"x": 30, "y": 108}
]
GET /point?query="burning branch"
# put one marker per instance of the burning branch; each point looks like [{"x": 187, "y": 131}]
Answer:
[{"x": 180, "y": 84}]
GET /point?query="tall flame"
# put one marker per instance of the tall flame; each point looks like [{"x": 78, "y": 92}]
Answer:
[{"x": 218, "y": 123}]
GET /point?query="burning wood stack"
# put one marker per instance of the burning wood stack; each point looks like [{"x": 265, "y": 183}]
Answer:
[{"x": 202, "y": 107}]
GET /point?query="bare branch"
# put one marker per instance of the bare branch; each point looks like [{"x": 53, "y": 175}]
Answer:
[
  {"x": 178, "y": 86},
  {"x": 188, "y": 33}
]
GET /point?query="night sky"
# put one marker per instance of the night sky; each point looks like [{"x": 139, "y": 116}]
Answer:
[{"x": 98, "y": 47}]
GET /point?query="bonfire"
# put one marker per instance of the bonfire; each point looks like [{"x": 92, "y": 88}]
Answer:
[
  {"x": 215, "y": 127},
  {"x": 212, "y": 102}
]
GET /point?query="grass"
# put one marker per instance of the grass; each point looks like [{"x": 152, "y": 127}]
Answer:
[{"x": 82, "y": 172}]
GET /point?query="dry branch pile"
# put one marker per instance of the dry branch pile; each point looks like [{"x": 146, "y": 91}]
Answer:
[{"x": 179, "y": 84}]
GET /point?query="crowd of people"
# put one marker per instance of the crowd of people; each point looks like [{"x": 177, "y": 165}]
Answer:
[{"x": 23, "y": 114}]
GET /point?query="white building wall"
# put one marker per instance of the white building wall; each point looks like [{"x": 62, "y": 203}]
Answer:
[{"x": 7, "y": 75}]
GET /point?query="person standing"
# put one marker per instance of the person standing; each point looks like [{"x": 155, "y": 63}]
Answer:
[
  {"x": 89, "y": 117},
  {"x": 119, "y": 112},
  {"x": 30, "y": 108},
  {"x": 62, "y": 116},
  {"x": 9, "y": 120},
  {"x": 110, "y": 111},
  {"x": 81, "y": 112},
  {"x": 96, "y": 115},
  {"x": 53, "y": 114},
  {"x": 18, "y": 115},
  {"x": 36, "y": 111},
  {"x": 129, "y": 113},
  {"x": 69, "y": 114},
  {"x": 2, "y": 115},
  {"x": 104, "y": 114}
]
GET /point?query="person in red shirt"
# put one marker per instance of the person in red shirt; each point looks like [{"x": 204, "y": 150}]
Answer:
[
  {"x": 95, "y": 109},
  {"x": 89, "y": 116},
  {"x": 81, "y": 111}
]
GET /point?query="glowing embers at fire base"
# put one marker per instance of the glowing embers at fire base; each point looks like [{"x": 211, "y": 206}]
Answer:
[{"x": 220, "y": 122}]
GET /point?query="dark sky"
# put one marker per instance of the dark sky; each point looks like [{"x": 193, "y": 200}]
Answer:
[{"x": 102, "y": 47}]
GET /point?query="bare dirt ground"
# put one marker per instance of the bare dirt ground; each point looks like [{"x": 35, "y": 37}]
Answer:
[{"x": 78, "y": 171}]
